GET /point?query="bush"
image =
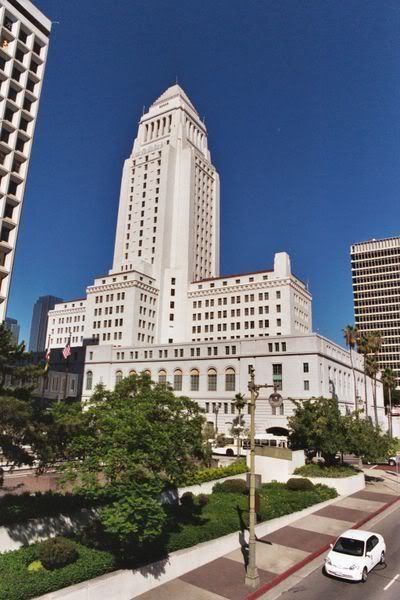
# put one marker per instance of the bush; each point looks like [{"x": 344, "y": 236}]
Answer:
[
  {"x": 187, "y": 499},
  {"x": 57, "y": 552},
  {"x": 234, "y": 486},
  {"x": 16, "y": 583},
  {"x": 320, "y": 470},
  {"x": 209, "y": 474},
  {"x": 202, "y": 499},
  {"x": 302, "y": 484}
]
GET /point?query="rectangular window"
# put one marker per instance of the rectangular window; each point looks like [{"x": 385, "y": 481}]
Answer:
[
  {"x": 277, "y": 376},
  {"x": 306, "y": 385},
  {"x": 305, "y": 368}
]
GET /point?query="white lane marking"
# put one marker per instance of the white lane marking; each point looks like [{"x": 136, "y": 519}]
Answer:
[{"x": 391, "y": 582}]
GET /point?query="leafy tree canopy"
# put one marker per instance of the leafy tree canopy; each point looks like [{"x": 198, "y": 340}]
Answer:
[
  {"x": 138, "y": 439},
  {"x": 318, "y": 424}
]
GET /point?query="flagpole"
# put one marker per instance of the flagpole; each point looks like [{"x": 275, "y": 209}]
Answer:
[
  {"x": 46, "y": 369},
  {"x": 66, "y": 368}
]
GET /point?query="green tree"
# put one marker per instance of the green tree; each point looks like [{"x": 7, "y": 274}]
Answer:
[
  {"x": 140, "y": 438},
  {"x": 389, "y": 383},
  {"x": 317, "y": 425},
  {"x": 238, "y": 422},
  {"x": 21, "y": 432},
  {"x": 350, "y": 333},
  {"x": 365, "y": 439}
]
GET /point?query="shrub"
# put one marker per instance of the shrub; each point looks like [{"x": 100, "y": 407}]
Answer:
[
  {"x": 16, "y": 583},
  {"x": 302, "y": 484},
  {"x": 187, "y": 499},
  {"x": 57, "y": 552},
  {"x": 203, "y": 499},
  {"x": 209, "y": 474},
  {"x": 320, "y": 470},
  {"x": 234, "y": 486}
]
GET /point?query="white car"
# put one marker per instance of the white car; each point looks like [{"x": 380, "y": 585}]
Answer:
[{"x": 354, "y": 554}]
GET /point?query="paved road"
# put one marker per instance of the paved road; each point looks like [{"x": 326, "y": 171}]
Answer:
[{"x": 317, "y": 586}]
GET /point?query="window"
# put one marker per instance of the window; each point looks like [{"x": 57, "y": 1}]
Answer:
[
  {"x": 306, "y": 385},
  {"x": 277, "y": 376},
  {"x": 118, "y": 377},
  {"x": 178, "y": 380},
  {"x": 212, "y": 380},
  {"x": 89, "y": 380},
  {"x": 305, "y": 368},
  {"x": 230, "y": 380},
  {"x": 162, "y": 376},
  {"x": 194, "y": 380}
]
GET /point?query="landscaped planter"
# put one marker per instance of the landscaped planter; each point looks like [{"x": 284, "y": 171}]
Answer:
[
  {"x": 345, "y": 486},
  {"x": 127, "y": 584}
]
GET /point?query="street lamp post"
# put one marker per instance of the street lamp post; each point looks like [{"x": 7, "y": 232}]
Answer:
[
  {"x": 216, "y": 411},
  {"x": 252, "y": 578}
]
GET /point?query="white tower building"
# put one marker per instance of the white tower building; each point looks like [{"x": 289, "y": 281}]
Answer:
[{"x": 24, "y": 38}]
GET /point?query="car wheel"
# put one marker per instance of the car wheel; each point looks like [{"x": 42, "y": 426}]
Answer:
[
  {"x": 392, "y": 463},
  {"x": 364, "y": 575},
  {"x": 382, "y": 560}
]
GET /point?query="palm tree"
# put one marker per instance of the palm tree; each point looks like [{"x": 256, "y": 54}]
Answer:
[
  {"x": 372, "y": 369},
  {"x": 389, "y": 382},
  {"x": 350, "y": 333},
  {"x": 238, "y": 422},
  {"x": 369, "y": 345},
  {"x": 362, "y": 348}
]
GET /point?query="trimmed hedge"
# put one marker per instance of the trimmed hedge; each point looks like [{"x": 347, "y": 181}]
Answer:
[
  {"x": 17, "y": 583},
  {"x": 209, "y": 474},
  {"x": 299, "y": 484},
  {"x": 227, "y": 513},
  {"x": 20, "y": 508},
  {"x": 319, "y": 470},
  {"x": 57, "y": 552},
  {"x": 236, "y": 486}
]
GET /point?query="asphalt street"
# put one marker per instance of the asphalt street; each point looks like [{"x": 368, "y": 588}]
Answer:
[{"x": 383, "y": 582}]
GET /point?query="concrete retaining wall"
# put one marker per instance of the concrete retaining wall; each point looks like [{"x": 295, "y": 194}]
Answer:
[{"x": 343, "y": 485}]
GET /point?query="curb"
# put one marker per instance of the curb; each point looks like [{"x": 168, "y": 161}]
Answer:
[{"x": 282, "y": 576}]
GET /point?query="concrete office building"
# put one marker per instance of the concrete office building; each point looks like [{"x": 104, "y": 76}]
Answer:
[
  {"x": 24, "y": 38},
  {"x": 375, "y": 269},
  {"x": 37, "y": 338},
  {"x": 165, "y": 309},
  {"x": 13, "y": 327}
]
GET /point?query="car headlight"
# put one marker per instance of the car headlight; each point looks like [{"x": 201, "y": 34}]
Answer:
[
  {"x": 328, "y": 561},
  {"x": 352, "y": 567}
]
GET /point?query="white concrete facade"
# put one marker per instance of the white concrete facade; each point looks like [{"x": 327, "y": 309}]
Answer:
[
  {"x": 302, "y": 367},
  {"x": 164, "y": 308},
  {"x": 24, "y": 38},
  {"x": 66, "y": 322}
]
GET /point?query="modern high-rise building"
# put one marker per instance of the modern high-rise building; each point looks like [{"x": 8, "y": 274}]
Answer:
[
  {"x": 165, "y": 309},
  {"x": 37, "y": 338},
  {"x": 375, "y": 269},
  {"x": 13, "y": 327},
  {"x": 24, "y": 38}
]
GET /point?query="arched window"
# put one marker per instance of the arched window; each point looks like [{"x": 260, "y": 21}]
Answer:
[
  {"x": 147, "y": 372},
  {"x": 162, "y": 376},
  {"x": 230, "y": 380},
  {"x": 194, "y": 380},
  {"x": 118, "y": 377},
  {"x": 212, "y": 380},
  {"x": 178, "y": 380},
  {"x": 89, "y": 380},
  {"x": 132, "y": 373}
]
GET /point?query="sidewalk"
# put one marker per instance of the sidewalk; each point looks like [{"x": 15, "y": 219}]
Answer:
[{"x": 282, "y": 552}]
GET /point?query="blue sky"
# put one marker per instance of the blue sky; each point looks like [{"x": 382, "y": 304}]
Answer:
[{"x": 302, "y": 106}]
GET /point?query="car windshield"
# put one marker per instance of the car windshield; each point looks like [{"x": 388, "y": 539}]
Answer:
[{"x": 349, "y": 546}]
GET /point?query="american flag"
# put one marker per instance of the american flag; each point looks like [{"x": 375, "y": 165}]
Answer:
[{"x": 67, "y": 350}]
